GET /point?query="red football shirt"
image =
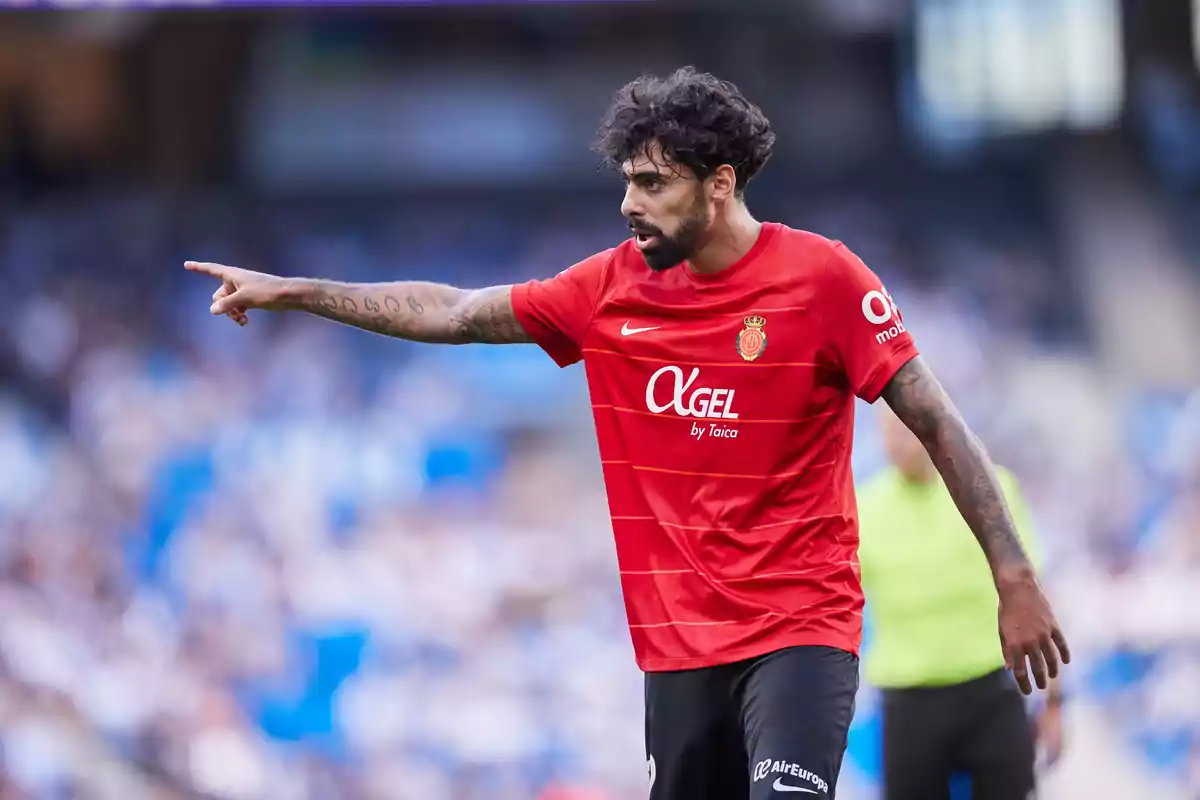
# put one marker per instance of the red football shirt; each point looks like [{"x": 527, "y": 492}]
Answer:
[{"x": 724, "y": 408}]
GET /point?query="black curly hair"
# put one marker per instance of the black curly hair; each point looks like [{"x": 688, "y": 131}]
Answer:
[{"x": 699, "y": 121}]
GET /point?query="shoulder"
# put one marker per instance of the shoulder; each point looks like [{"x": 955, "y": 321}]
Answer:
[
  {"x": 594, "y": 266},
  {"x": 836, "y": 272},
  {"x": 588, "y": 277},
  {"x": 793, "y": 242},
  {"x": 811, "y": 257},
  {"x": 842, "y": 265}
]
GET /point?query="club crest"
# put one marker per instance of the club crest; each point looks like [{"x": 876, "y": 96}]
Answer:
[{"x": 752, "y": 339}]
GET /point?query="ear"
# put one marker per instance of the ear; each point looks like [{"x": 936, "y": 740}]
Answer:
[{"x": 723, "y": 183}]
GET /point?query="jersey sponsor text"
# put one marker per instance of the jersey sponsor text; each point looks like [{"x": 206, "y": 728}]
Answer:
[{"x": 702, "y": 402}]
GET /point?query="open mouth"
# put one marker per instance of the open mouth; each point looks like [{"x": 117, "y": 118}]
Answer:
[{"x": 645, "y": 238}]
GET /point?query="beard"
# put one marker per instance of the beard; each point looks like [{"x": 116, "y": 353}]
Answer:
[{"x": 671, "y": 251}]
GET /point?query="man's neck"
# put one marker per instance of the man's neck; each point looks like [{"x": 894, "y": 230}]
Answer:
[{"x": 730, "y": 243}]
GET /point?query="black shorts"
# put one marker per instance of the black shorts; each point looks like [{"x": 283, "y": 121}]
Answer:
[
  {"x": 979, "y": 728},
  {"x": 768, "y": 727}
]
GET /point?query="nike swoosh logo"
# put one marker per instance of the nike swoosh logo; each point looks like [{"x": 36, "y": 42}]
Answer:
[
  {"x": 780, "y": 786},
  {"x": 628, "y": 331}
]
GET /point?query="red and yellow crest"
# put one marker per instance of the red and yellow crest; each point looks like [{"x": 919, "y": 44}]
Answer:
[{"x": 752, "y": 339}]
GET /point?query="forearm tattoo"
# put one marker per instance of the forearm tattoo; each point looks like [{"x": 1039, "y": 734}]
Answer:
[
  {"x": 420, "y": 312},
  {"x": 922, "y": 404}
]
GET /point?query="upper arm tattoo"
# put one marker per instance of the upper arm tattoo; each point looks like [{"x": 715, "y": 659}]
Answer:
[
  {"x": 487, "y": 316},
  {"x": 919, "y": 400}
]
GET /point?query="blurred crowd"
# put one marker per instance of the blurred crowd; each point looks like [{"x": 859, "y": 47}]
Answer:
[{"x": 298, "y": 561}]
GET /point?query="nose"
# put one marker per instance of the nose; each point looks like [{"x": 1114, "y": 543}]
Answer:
[{"x": 630, "y": 206}]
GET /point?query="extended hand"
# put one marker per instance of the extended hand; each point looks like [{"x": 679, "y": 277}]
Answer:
[
  {"x": 242, "y": 290},
  {"x": 1029, "y": 632}
]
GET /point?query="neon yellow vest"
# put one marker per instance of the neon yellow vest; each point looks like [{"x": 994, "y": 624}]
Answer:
[{"x": 929, "y": 591}]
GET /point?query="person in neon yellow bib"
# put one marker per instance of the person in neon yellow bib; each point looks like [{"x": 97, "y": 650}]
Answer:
[{"x": 949, "y": 705}]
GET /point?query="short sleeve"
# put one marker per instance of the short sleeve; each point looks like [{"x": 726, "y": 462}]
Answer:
[
  {"x": 863, "y": 324},
  {"x": 557, "y": 312}
]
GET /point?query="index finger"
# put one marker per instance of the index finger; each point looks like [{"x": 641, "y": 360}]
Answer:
[{"x": 206, "y": 268}]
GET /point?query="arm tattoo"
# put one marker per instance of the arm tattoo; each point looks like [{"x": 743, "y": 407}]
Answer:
[
  {"x": 922, "y": 404},
  {"x": 487, "y": 316},
  {"x": 420, "y": 312},
  {"x": 325, "y": 302}
]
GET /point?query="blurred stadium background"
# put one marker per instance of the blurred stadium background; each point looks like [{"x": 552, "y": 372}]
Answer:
[{"x": 299, "y": 561}]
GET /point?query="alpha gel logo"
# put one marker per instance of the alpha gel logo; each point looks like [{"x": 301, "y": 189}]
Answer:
[
  {"x": 685, "y": 401},
  {"x": 879, "y": 308}
]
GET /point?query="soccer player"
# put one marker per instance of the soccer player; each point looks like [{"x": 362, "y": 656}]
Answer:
[
  {"x": 723, "y": 357},
  {"x": 949, "y": 706}
]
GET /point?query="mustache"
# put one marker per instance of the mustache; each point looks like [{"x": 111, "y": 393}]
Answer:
[{"x": 644, "y": 229}]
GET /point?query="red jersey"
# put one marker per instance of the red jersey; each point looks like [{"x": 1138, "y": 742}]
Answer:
[{"x": 724, "y": 409}]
